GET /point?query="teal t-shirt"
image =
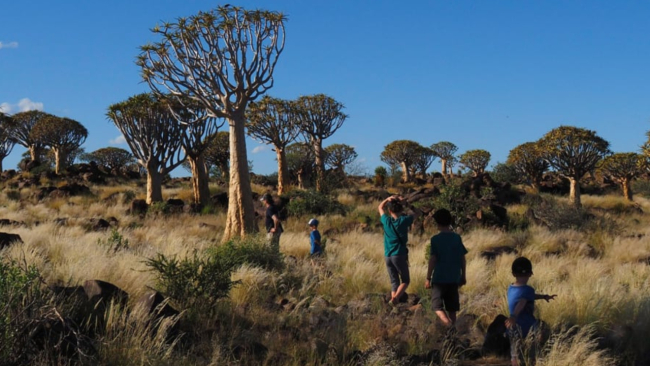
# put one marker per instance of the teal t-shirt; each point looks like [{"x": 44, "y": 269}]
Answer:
[
  {"x": 395, "y": 244},
  {"x": 449, "y": 251}
]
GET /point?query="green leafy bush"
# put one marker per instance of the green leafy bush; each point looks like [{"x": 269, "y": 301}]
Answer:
[
  {"x": 459, "y": 203},
  {"x": 380, "y": 176},
  {"x": 311, "y": 202},
  {"x": 252, "y": 250},
  {"x": 641, "y": 187}
]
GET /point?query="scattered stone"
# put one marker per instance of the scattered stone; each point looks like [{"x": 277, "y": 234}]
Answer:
[
  {"x": 104, "y": 292},
  {"x": 7, "y": 222},
  {"x": 139, "y": 207},
  {"x": 496, "y": 340},
  {"x": 204, "y": 225},
  {"x": 493, "y": 253},
  {"x": 61, "y": 221},
  {"x": 154, "y": 303},
  {"x": 7, "y": 239},
  {"x": 98, "y": 224}
]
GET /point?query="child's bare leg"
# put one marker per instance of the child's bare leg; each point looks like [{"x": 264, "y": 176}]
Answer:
[
  {"x": 452, "y": 317},
  {"x": 400, "y": 290},
  {"x": 444, "y": 318}
]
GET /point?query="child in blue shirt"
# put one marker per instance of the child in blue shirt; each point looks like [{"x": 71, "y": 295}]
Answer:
[
  {"x": 314, "y": 239},
  {"x": 521, "y": 303}
]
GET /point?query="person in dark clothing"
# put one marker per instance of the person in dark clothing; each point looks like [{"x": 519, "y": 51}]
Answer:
[{"x": 272, "y": 221}]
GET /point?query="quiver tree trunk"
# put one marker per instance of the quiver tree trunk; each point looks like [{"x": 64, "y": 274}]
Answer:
[
  {"x": 444, "y": 167},
  {"x": 200, "y": 181},
  {"x": 406, "y": 176},
  {"x": 574, "y": 193},
  {"x": 154, "y": 184},
  {"x": 320, "y": 165},
  {"x": 536, "y": 184},
  {"x": 283, "y": 170},
  {"x": 301, "y": 181},
  {"x": 60, "y": 158},
  {"x": 35, "y": 153},
  {"x": 626, "y": 184},
  {"x": 241, "y": 213}
]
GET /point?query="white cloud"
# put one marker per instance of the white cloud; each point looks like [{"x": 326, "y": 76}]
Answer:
[
  {"x": 261, "y": 148},
  {"x": 8, "y": 45},
  {"x": 119, "y": 140},
  {"x": 23, "y": 105}
]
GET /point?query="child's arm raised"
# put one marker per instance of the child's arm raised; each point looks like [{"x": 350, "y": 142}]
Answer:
[{"x": 546, "y": 298}]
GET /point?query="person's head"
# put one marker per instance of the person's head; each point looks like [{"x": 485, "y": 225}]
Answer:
[
  {"x": 522, "y": 267},
  {"x": 313, "y": 224},
  {"x": 442, "y": 217},
  {"x": 267, "y": 199},
  {"x": 394, "y": 207}
]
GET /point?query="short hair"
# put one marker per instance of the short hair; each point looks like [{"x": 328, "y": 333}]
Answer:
[
  {"x": 395, "y": 207},
  {"x": 442, "y": 217},
  {"x": 267, "y": 198},
  {"x": 522, "y": 267}
]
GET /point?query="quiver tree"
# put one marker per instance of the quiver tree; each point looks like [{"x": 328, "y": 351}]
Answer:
[
  {"x": 222, "y": 59},
  {"x": 475, "y": 160},
  {"x": 6, "y": 141},
  {"x": 319, "y": 117},
  {"x": 272, "y": 121},
  {"x": 153, "y": 134},
  {"x": 401, "y": 153},
  {"x": 218, "y": 153},
  {"x": 424, "y": 157},
  {"x": 113, "y": 158},
  {"x": 62, "y": 135},
  {"x": 300, "y": 160},
  {"x": 573, "y": 152},
  {"x": 528, "y": 161},
  {"x": 623, "y": 168},
  {"x": 444, "y": 150},
  {"x": 338, "y": 156},
  {"x": 21, "y": 129}
]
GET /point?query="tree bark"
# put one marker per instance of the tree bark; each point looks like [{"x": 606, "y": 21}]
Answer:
[
  {"x": 34, "y": 153},
  {"x": 1, "y": 170},
  {"x": 444, "y": 167},
  {"x": 154, "y": 186},
  {"x": 627, "y": 189},
  {"x": 200, "y": 181},
  {"x": 301, "y": 183},
  {"x": 60, "y": 160},
  {"x": 574, "y": 194},
  {"x": 535, "y": 184},
  {"x": 241, "y": 212},
  {"x": 283, "y": 170},
  {"x": 406, "y": 177},
  {"x": 320, "y": 164}
]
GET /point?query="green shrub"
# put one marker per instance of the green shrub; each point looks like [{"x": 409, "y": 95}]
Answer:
[
  {"x": 115, "y": 242},
  {"x": 505, "y": 173},
  {"x": 641, "y": 187},
  {"x": 252, "y": 250},
  {"x": 128, "y": 196},
  {"x": 158, "y": 208},
  {"x": 311, "y": 202},
  {"x": 559, "y": 215},
  {"x": 380, "y": 176},
  {"x": 459, "y": 203}
]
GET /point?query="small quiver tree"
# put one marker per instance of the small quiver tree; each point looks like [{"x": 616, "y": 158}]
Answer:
[
  {"x": 573, "y": 152},
  {"x": 401, "y": 152},
  {"x": 528, "y": 161},
  {"x": 300, "y": 159},
  {"x": 338, "y": 156},
  {"x": 222, "y": 59},
  {"x": 153, "y": 134},
  {"x": 445, "y": 151},
  {"x": 272, "y": 121},
  {"x": 21, "y": 132},
  {"x": 475, "y": 160},
  {"x": 6, "y": 141},
  {"x": 319, "y": 117},
  {"x": 423, "y": 159},
  {"x": 114, "y": 159},
  {"x": 62, "y": 135},
  {"x": 623, "y": 168}
]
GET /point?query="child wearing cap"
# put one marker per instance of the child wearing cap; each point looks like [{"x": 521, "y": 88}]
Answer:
[
  {"x": 314, "y": 238},
  {"x": 521, "y": 303}
]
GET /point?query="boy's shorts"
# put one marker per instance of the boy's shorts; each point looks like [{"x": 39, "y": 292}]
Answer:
[{"x": 445, "y": 296}]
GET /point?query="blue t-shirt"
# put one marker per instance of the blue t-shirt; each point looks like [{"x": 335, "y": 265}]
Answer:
[
  {"x": 396, "y": 233},
  {"x": 314, "y": 239},
  {"x": 526, "y": 318},
  {"x": 449, "y": 251}
]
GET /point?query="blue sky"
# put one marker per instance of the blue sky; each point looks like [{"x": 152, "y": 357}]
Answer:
[{"x": 481, "y": 74}]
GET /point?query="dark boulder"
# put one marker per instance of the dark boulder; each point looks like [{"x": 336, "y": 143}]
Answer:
[
  {"x": 7, "y": 222},
  {"x": 98, "y": 224},
  {"x": 138, "y": 207},
  {"x": 7, "y": 239},
  {"x": 493, "y": 253},
  {"x": 496, "y": 338},
  {"x": 220, "y": 199}
]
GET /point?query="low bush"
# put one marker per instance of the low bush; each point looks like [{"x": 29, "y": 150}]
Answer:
[{"x": 311, "y": 202}]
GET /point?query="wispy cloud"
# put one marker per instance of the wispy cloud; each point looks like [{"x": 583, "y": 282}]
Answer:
[
  {"x": 261, "y": 148},
  {"x": 119, "y": 140},
  {"x": 23, "y": 105},
  {"x": 8, "y": 45}
]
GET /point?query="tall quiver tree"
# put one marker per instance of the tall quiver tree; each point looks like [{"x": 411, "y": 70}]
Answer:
[
  {"x": 153, "y": 134},
  {"x": 199, "y": 130},
  {"x": 401, "y": 153},
  {"x": 475, "y": 160},
  {"x": 319, "y": 117},
  {"x": 62, "y": 135},
  {"x": 21, "y": 129},
  {"x": 573, "y": 152},
  {"x": 338, "y": 156},
  {"x": 623, "y": 168},
  {"x": 445, "y": 151},
  {"x": 528, "y": 161},
  {"x": 223, "y": 59},
  {"x": 6, "y": 141},
  {"x": 272, "y": 121}
]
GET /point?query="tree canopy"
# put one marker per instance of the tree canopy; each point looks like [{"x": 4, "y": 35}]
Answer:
[
  {"x": 445, "y": 151},
  {"x": 623, "y": 168},
  {"x": 528, "y": 160},
  {"x": 62, "y": 135},
  {"x": 401, "y": 153},
  {"x": 338, "y": 156},
  {"x": 6, "y": 141},
  {"x": 113, "y": 158},
  {"x": 21, "y": 128},
  {"x": 475, "y": 160}
]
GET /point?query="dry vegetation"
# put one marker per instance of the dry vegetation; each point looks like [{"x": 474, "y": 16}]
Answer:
[{"x": 336, "y": 312}]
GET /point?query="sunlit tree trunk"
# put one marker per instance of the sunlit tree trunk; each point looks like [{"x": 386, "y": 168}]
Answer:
[
  {"x": 301, "y": 183},
  {"x": 406, "y": 177},
  {"x": 627, "y": 189},
  {"x": 35, "y": 153},
  {"x": 283, "y": 170},
  {"x": 60, "y": 158},
  {"x": 574, "y": 193},
  {"x": 154, "y": 184},
  {"x": 199, "y": 180},
  {"x": 241, "y": 213},
  {"x": 320, "y": 164},
  {"x": 444, "y": 167}
]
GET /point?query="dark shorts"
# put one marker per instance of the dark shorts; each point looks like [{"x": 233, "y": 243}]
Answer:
[
  {"x": 444, "y": 296},
  {"x": 398, "y": 270}
]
